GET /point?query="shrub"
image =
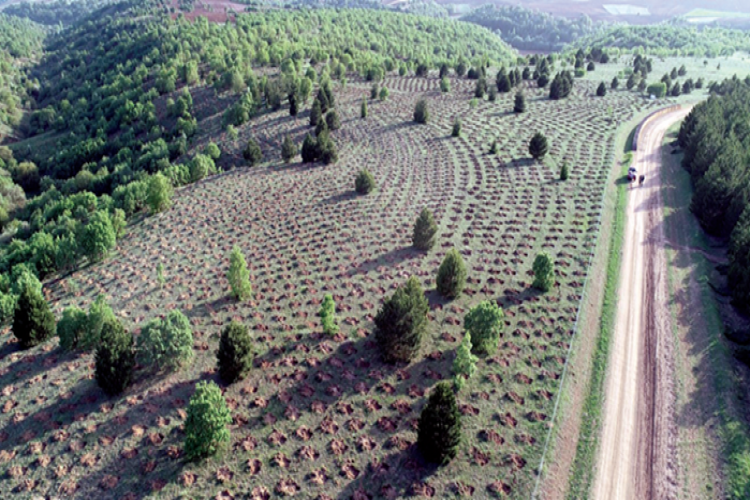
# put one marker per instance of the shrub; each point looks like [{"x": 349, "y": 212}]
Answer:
[
  {"x": 658, "y": 89},
  {"x": 544, "y": 274},
  {"x": 239, "y": 276},
  {"x": 465, "y": 363},
  {"x": 564, "y": 172},
  {"x": 601, "y": 90},
  {"x": 333, "y": 121},
  {"x": 235, "y": 354},
  {"x": 519, "y": 106},
  {"x": 401, "y": 322},
  {"x": 363, "y": 109},
  {"x": 252, "y": 152},
  {"x": 538, "y": 146},
  {"x": 288, "y": 149},
  {"x": 445, "y": 85},
  {"x": 451, "y": 276},
  {"x": 456, "y": 132},
  {"x": 99, "y": 313},
  {"x": 374, "y": 91},
  {"x": 208, "y": 416},
  {"x": 33, "y": 322},
  {"x": 71, "y": 327},
  {"x": 615, "y": 83},
  {"x": 159, "y": 197},
  {"x": 309, "y": 149},
  {"x": 421, "y": 113},
  {"x": 364, "y": 183},
  {"x": 383, "y": 93},
  {"x": 425, "y": 230},
  {"x": 439, "y": 431},
  {"x": 316, "y": 113},
  {"x": 115, "y": 358},
  {"x": 484, "y": 323},
  {"x": 212, "y": 151},
  {"x": 201, "y": 166},
  {"x": 327, "y": 315},
  {"x": 167, "y": 343}
]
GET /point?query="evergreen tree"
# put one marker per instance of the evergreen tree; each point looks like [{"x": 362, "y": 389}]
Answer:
[
  {"x": 322, "y": 98},
  {"x": 519, "y": 105},
  {"x": 333, "y": 121},
  {"x": 676, "y": 90},
  {"x": 383, "y": 93},
  {"x": 401, "y": 322},
  {"x": 363, "y": 109},
  {"x": 252, "y": 152},
  {"x": 502, "y": 81},
  {"x": 327, "y": 149},
  {"x": 33, "y": 322},
  {"x": 235, "y": 354},
  {"x": 465, "y": 363},
  {"x": 167, "y": 343},
  {"x": 364, "y": 183},
  {"x": 456, "y": 131},
  {"x": 293, "y": 105},
  {"x": 484, "y": 322},
  {"x": 542, "y": 80},
  {"x": 451, "y": 276},
  {"x": 615, "y": 83},
  {"x": 538, "y": 146},
  {"x": 492, "y": 94},
  {"x": 71, "y": 327},
  {"x": 316, "y": 113},
  {"x": 480, "y": 88},
  {"x": 445, "y": 85},
  {"x": 439, "y": 430},
  {"x": 526, "y": 75},
  {"x": 493, "y": 148},
  {"x": 206, "y": 431},
  {"x": 99, "y": 313},
  {"x": 159, "y": 195},
  {"x": 288, "y": 149},
  {"x": 327, "y": 315},
  {"x": 309, "y": 149},
  {"x": 98, "y": 236},
  {"x": 421, "y": 113},
  {"x": 425, "y": 230},
  {"x": 239, "y": 276},
  {"x": 374, "y": 91},
  {"x": 544, "y": 273},
  {"x": 630, "y": 84},
  {"x": 115, "y": 358},
  {"x": 601, "y": 90},
  {"x": 564, "y": 172},
  {"x": 561, "y": 86}
]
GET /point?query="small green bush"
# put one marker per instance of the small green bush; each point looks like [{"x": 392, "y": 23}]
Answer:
[
  {"x": 115, "y": 358},
  {"x": 439, "y": 431},
  {"x": 364, "y": 183},
  {"x": 401, "y": 322},
  {"x": 451, "y": 276},
  {"x": 421, "y": 113},
  {"x": 456, "y": 131},
  {"x": 252, "y": 152},
  {"x": 235, "y": 354},
  {"x": 465, "y": 363},
  {"x": 168, "y": 343},
  {"x": 544, "y": 273},
  {"x": 239, "y": 276},
  {"x": 33, "y": 322},
  {"x": 484, "y": 323},
  {"x": 99, "y": 313},
  {"x": 564, "y": 173},
  {"x": 327, "y": 315},
  {"x": 206, "y": 431},
  {"x": 72, "y": 327},
  {"x": 425, "y": 230}
]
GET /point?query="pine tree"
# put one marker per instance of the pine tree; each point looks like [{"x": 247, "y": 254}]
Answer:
[
  {"x": 564, "y": 172},
  {"x": 309, "y": 149},
  {"x": 71, "y": 327},
  {"x": 502, "y": 81},
  {"x": 451, "y": 276},
  {"x": 484, "y": 322},
  {"x": 288, "y": 149},
  {"x": 401, "y": 322},
  {"x": 293, "y": 105},
  {"x": 114, "y": 358},
  {"x": 421, "y": 113},
  {"x": 425, "y": 230},
  {"x": 456, "y": 131},
  {"x": 363, "y": 109},
  {"x": 364, "y": 182},
  {"x": 601, "y": 90},
  {"x": 544, "y": 273},
  {"x": 383, "y": 95},
  {"x": 445, "y": 85},
  {"x": 98, "y": 236},
  {"x": 333, "y": 121},
  {"x": 615, "y": 83},
  {"x": 252, "y": 152},
  {"x": 492, "y": 94},
  {"x": 159, "y": 194},
  {"x": 493, "y": 148},
  {"x": 206, "y": 431},
  {"x": 33, "y": 322},
  {"x": 239, "y": 276},
  {"x": 316, "y": 113},
  {"x": 630, "y": 84},
  {"x": 167, "y": 343},
  {"x": 520, "y": 103},
  {"x": 465, "y": 363},
  {"x": 480, "y": 88},
  {"x": 538, "y": 146},
  {"x": 439, "y": 430},
  {"x": 327, "y": 315},
  {"x": 235, "y": 355}
]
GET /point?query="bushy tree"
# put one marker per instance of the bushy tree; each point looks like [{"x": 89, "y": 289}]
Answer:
[
  {"x": 200, "y": 167},
  {"x": 309, "y": 149},
  {"x": 252, "y": 152},
  {"x": 538, "y": 146},
  {"x": 33, "y": 322},
  {"x": 439, "y": 430},
  {"x": 206, "y": 426},
  {"x": 561, "y": 85},
  {"x": 445, "y": 85},
  {"x": 456, "y": 131},
  {"x": 502, "y": 81},
  {"x": 615, "y": 83},
  {"x": 465, "y": 363},
  {"x": 115, "y": 358},
  {"x": 544, "y": 273},
  {"x": 480, "y": 88},
  {"x": 98, "y": 236},
  {"x": 316, "y": 113},
  {"x": 451, "y": 276},
  {"x": 425, "y": 230},
  {"x": 519, "y": 105},
  {"x": 364, "y": 183},
  {"x": 484, "y": 322},
  {"x": 658, "y": 89},
  {"x": 333, "y": 121},
  {"x": 363, "y": 108},
  {"x": 383, "y": 93},
  {"x": 239, "y": 276},
  {"x": 212, "y": 151},
  {"x": 72, "y": 327},
  {"x": 601, "y": 90},
  {"x": 235, "y": 354},
  {"x": 159, "y": 197},
  {"x": 421, "y": 113},
  {"x": 288, "y": 149},
  {"x": 401, "y": 322},
  {"x": 167, "y": 343},
  {"x": 99, "y": 313},
  {"x": 327, "y": 315}
]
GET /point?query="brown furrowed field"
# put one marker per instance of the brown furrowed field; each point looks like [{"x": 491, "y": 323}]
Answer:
[{"x": 323, "y": 417}]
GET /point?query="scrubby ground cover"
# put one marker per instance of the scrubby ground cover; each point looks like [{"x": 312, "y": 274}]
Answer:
[{"x": 321, "y": 416}]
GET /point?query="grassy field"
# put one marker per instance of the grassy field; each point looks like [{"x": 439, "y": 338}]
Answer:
[{"x": 323, "y": 417}]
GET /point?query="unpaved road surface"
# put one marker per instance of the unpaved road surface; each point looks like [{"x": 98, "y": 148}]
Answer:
[{"x": 637, "y": 451}]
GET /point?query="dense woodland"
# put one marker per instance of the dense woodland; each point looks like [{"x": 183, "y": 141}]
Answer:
[
  {"x": 116, "y": 107},
  {"x": 20, "y": 40},
  {"x": 527, "y": 29},
  {"x": 716, "y": 140},
  {"x": 57, "y": 13}
]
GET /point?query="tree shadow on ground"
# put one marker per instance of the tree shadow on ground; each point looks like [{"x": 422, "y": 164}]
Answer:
[{"x": 388, "y": 259}]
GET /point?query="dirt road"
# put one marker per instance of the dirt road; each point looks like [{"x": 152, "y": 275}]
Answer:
[{"x": 637, "y": 450}]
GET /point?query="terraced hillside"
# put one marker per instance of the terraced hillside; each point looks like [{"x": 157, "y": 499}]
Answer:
[{"x": 323, "y": 417}]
